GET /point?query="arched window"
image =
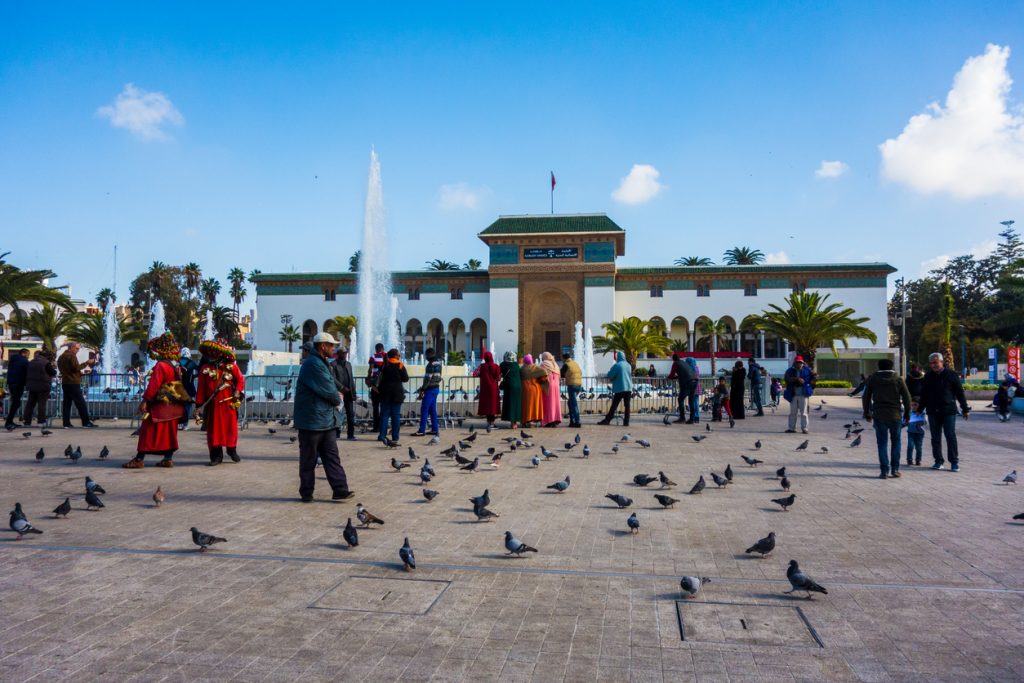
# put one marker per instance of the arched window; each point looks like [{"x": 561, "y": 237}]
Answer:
[{"x": 309, "y": 330}]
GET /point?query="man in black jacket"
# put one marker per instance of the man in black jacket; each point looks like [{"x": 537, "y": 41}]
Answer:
[
  {"x": 346, "y": 383},
  {"x": 38, "y": 380},
  {"x": 683, "y": 373},
  {"x": 886, "y": 402},
  {"x": 17, "y": 371},
  {"x": 941, "y": 391}
]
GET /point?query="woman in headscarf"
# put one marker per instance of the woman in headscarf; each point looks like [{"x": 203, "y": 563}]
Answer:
[
  {"x": 739, "y": 378},
  {"x": 511, "y": 385},
  {"x": 490, "y": 403},
  {"x": 553, "y": 395},
  {"x": 533, "y": 379}
]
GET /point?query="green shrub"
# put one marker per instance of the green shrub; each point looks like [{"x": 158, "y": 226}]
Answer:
[
  {"x": 981, "y": 387},
  {"x": 832, "y": 384}
]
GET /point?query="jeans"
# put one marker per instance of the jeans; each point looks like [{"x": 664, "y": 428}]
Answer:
[
  {"x": 887, "y": 434},
  {"x": 914, "y": 442},
  {"x": 623, "y": 397},
  {"x": 389, "y": 412},
  {"x": 574, "y": 406},
  {"x": 694, "y": 401},
  {"x": 16, "y": 391},
  {"x": 939, "y": 426},
  {"x": 73, "y": 394},
  {"x": 798, "y": 412},
  {"x": 319, "y": 444},
  {"x": 428, "y": 407},
  {"x": 755, "y": 395}
]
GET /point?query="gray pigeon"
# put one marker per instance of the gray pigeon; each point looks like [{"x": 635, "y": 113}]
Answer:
[
  {"x": 483, "y": 514},
  {"x": 633, "y": 523},
  {"x": 398, "y": 465},
  {"x": 665, "y": 420},
  {"x": 427, "y": 467},
  {"x": 643, "y": 479},
  {"x": 615, "y": 448},
  {"x": 560, "y": 486},
  {"x": 619, "y": 499},
  {"x": 68, "y": 451},
  {"x": 644, "y": 443},
  {"x": 76, "y": 454},
  {"x": 801, "y": 582},
  {"x": 21, "y": 526},
  {"x": 753, "y": 462},
  {"x": 855, "y": 442},
  {"x": 350, "y": 534},
  {"x": 763, "y": 546},
  {"x": 535, "y": 461},
  {"x": 17, "y": 512},
  {"x": 63, "y": 509},
  {"x": 434, "y": 440},
  {"x": 691, "y": 585},
  {"x": 699, "y": 486},
  {"x": 93, "y": 501},
  {"x": 546, "y": 453},
  {"x": 472, "y": 467},
  {"x": 515, "y": 546},
  {"x": 785, "y": 483},
  {"x": 625, "y": 437},
  {"x": 484, "y": 499},
  {"x": 803, "y": 446},
  {"x": 461, "y": 460},
  {"x": 568, "y": 445},
  {"x": 728, "y": 472},
  {"x": 577, "y": 438},
  {"x": 757, "y": 445},
  {"x": 784, "y": 503},
  {"x": 92, "y": 487},
  {"x": 412, "y": 454},
  {"x": 1010, "y": 478},
  {"x": 429, "y": 494},
  {"x": 665, "y": 481},
  {"x": 719, "y": 480},
  {"x": 425, "y": 475},
  {"x": 40, "y": 454},
  {"x": 823, "y": 449},
  {"x": 666, "y": 501},
  {"x": 699, "y": 437},
  {"x": 407, "y": 556},
  {"x": 586, "y": 451},
  {"x": 204, "y": 540},
  {"x": 780, "y": 473},
  {"x": 104, "y": 452}
]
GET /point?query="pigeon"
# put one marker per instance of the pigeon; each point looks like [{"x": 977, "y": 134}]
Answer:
[
  {"x": 17, "y": 512},
  {"x": 482, "y": 500},
  {"x": 764, "y": 546},
  {"x": 407, "y": 556},
  {"x": 26, "y": 434},
  {"x": 823, "y": 449},
  {"x": 666, "y": 501},
  {"x": 204, "y": 540},
  {"x": 158, "y": 497},
  {"x": 801, "y": 582},
  {"x": 699, "y": 486},
  {"x": 472, "y": 467},
  {"x": 586, "y": 451},
  {"x": 785, "y": 483},
  {"x": 780, "y": 473},
  {"x": 784, "y": 503},
  {"x": 707, "y": 426},
  {"x": 429, "y": 494},
  {"x": 615, "y": 448},
  {"x": 93, "y": 501},
  {"x": 525, "y": 436},
  {"x": 366, "y": 517},
  {"x": 665, "y": 420},
  {"x": 644, "y": 443},
  {"x": 463, "y": 445},
  {"x": 398, "y": 466},
  {"x": 135, "y": 433},
  {"x": 350, "y": 534},
  {"x": 63, "y": 509},
  {"x": 803, "y": 446},
  {"x": 1010, "y": 478},
  {"x": 1020, "y": 516},
  {"x": 491, "y": 450},
  {"x": 699, "y": 437},
  {"x": 665, "y": 481},
  {"x": 560, "y": 486},
  {"x": 753, "y": 462},
  {"x": 76, "y": 454},
  {"x": 272, "y": 430},
  {"x": 728, "y": 472},
  {"x": 824, "y": 416},
  {"x": 104, "y": 452},
  {"x": 719, "y": 481},
  {"x": 425, "y": 476},
  {"x": 462, "y": 461},
  {"x": 546, "y": 453},
  {"x": 412, "y": 454},
  {"x": 515, "y": 546},
  {"x": 643, "y": 479},
  {"x": 619, "y": 499},
  {"x": 92, "y": 487},
  {"x": 535, "y": 461},
  {"x": 625, "y": 437},
  {"x": 569, "y": 446},
  {"x": 434, "y": 440},
  {"x": 820, "y": 407},
  {"x": 691, "y": 585},
  {"x": 472, "y": 436},
  {"x": 757, "y": 445},
  {"x": 483, "y": 514},
  {"x": 450, "y": 452},
  {"x": 633, "y": 523},
  {"x": 40, "y": 454},
  {"x": 21, "y": 526},
  {"x": 293, "y": 439},
  {"x": 855, "y": 442}
]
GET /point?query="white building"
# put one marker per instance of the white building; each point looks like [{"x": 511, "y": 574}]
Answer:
[{"x": 545, "y": 272}]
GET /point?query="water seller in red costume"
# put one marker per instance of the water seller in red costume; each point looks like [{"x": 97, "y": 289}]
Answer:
[
  {"x": 218, "y": 396},
  {"x": 163, "y": 404}
]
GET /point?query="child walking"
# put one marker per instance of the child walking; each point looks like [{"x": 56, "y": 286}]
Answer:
[{"x": 915, "y": 434}]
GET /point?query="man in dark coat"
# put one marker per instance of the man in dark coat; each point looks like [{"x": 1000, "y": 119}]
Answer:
[
  {"x": 941, "y": 391},
  {"x": 346, "y": 383},
  {"x": 886, "y": 402},
  {"x": 17, "y": 373},
  {"x": 682, "y": 373},
  {"x": 38, "y": 381}
]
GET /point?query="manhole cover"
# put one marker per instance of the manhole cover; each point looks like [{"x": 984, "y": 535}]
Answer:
[
  {"x": 726, "y": 622},
  {"x": 389, "y": 596}
]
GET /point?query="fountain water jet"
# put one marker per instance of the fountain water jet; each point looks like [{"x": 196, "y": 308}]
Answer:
[
  {"x": 209, "y": 332},
  {"x": 374, "y": 277}
]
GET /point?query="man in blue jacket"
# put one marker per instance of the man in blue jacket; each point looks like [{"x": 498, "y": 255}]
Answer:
[
  {"x": 621, "y": 376},
  {"x": 799, "y": 383},
  {"x": 316, "y": 418},
  {"x": 17, "y": 372}
]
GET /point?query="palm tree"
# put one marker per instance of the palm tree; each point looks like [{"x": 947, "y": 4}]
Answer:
[
  {"x": 90, "y": 331},
  {"x": 694, "y": 261},
  {"x": 104, "y": 297},
  {"x": 17, "y": 285},
  {"x": 679, "y": 346},
  {"x": 353, "y": 261},
  {"x": 717, "y": 331},
  {"x": 211, "y": 290},
  {"x": 439, "y": 264},
  {"x": 236, "y": 276},
  {"x": 158, "y": 272},
  {"x": 290, "y": 334},
  {"x": 48, "y": 323},
  {"x": 472, "y": 264},
  {"x": 253, "y": 273},
  {"x": 632, "y": 336},
  {"x": 946, "y": 323},
  {"x": 225, "y": 323},
  {"x": 193, "y": 276},
  {"x": 342, "y": 326},
  {"x": 743, "y": 256},
  {"x": 810, "y": 324}
]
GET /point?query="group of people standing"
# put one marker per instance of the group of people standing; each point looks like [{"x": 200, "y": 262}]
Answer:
[{"x": 36, "y": 377}]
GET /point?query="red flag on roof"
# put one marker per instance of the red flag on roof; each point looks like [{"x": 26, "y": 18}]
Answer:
[{"x": 552, "y": 180}]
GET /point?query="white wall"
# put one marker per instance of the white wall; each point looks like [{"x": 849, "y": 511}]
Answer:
[{"x": 504, "y": 316}]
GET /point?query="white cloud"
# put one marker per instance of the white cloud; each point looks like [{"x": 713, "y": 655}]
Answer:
[
  {"x": 641, "y": 185},
  {"x": 457, "y": 196},
  {"x": 831, "y": 169},
  {"x": 978, "y": 251},
  {"x": 776, "y": 258},
  {"x": 143, "y": 113},
  {"x": 971, "y": 147}
]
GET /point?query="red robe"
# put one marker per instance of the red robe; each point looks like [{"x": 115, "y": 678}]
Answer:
[
  {"x": 159, "y": 437},
  {"x": 220, "y": 418},
  {"x": 490, "y": 402}
]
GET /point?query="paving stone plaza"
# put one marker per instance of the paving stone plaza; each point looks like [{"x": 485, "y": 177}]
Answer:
[{"x": 925, "y": 574}]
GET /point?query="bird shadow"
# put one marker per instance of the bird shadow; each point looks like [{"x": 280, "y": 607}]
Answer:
[
  {"x": 470, "y": 521},
  {"x": 551, "y": 492},
  {"x": 674, "y": 595},
  {"x": 772, "y": 510},
  {"x": 744, "y": 556},
  {"x": 336, "y": 546},
  {"x": 620, "y": 532}
]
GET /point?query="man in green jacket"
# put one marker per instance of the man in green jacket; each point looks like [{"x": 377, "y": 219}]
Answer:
[
  {"x": 884, "y": 394},
  {"x": 316, "y": 417}
]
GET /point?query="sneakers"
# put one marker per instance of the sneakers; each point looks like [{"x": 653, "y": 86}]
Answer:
[
  {"x": 790, "y": 431},
  {"x": 895, "y": 475},
  {"x": 605, "y": 422},
  {"x": 804, "y": 431},
  {"x": 955, "y": 467},
  {"x": 418, "y": 434},
  {"x": 352, "y": 438},
  {"x": 342, "y": 495},
  {"x": 91, "y": 425},
  {"x": 433, "y": 433},
  {"x": 937, "y": 466},
  {"x": 883, "y": 475}
]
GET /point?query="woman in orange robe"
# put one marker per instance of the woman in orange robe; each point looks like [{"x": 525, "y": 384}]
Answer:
[{"x": 533, "y": 379}]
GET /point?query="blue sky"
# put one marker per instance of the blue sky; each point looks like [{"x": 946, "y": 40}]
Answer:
[{"x": 244, "y": 136}]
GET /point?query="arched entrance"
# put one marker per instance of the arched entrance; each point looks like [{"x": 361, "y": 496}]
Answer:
[{"x": 553, "y": 315}]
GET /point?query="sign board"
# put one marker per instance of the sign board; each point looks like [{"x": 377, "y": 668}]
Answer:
[
  {"x": 1013, "y": 362},
  {"x": 550, "y": 252},
  {"x": 993, "y": 364}
]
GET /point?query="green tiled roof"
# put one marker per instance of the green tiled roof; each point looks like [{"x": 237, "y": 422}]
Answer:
[
  {"x": 342, "y": 277},
  {"x": 551, "y": 223},
  {"x": 775, "y": 268}
]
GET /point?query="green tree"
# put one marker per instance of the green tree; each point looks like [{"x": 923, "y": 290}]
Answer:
[
  {"x": 1007, "y": 320},
  {"x": 743, "y": 256},
  {"x": 632, "y": 336},
  {"x": 809, "y": 322},
  {"x": 290, "y": 334},
  {"x": 472, "y": 264},
  {"x": 341, "y": 326},
  {"x": 253, "y": 273},
  {"x": 28, "y": 286},
  {"x": 193, "y": 276},
  {"x": 694, "y": 261},
  {"x": 48, "y": 323},
  {"x": 210, "y": 288},
  {"x": 90, "y": 331},
  {"x": 946, "y": 313},
  {"x": 716, "y": 334},
  {"x": 236, "y": 276},
  {"x": 679, "y": 346},
  {"x": 353, "y": 261},
  {"x": 225, "y": 323},
  {"x": 439, "y": 264},
  {"x": 104, "y": 297}
]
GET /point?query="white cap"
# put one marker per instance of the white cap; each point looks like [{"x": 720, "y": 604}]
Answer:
[{"x": 324, "y": 338}]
